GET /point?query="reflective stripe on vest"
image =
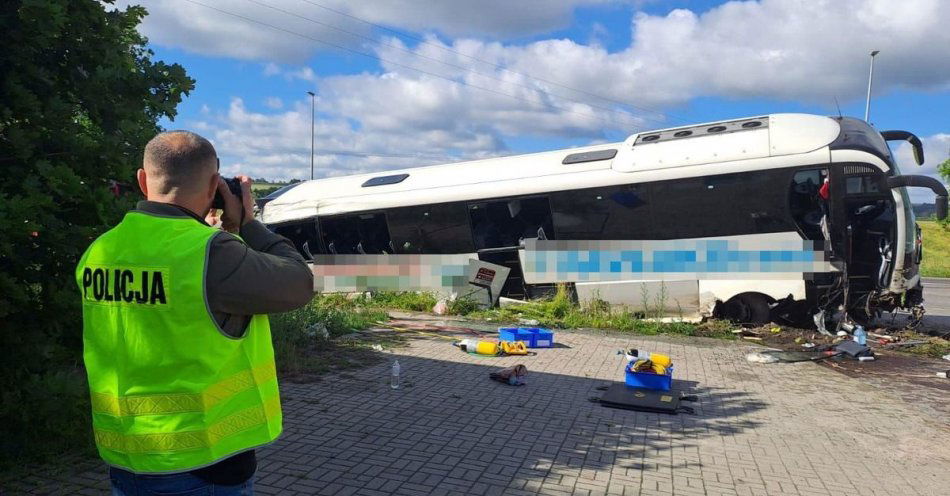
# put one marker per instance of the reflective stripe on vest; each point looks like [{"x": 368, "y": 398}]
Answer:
[
  {"x": 156, "y": 404},
  {"x": 189, "y": 440},
  {"x": 170, "y": 391}
]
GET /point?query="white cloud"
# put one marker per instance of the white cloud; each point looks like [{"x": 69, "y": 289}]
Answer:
[
  {"x": 273, "y": 102},
  {"x": 277, "y": 146},
  {"x": 466, "y": 97},
  {"x": 271, "y": 69},
  {"x": 236, "y": 28},
  {"x": 206, "y": 29},
  {"x": 491, "y": 18}
]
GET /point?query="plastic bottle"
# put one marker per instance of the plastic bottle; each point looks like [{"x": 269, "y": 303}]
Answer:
[
  {"x": 394, "y": 379},
  {"x": 860, "y": 336}
]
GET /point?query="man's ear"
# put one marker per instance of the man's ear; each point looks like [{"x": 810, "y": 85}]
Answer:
[
  {"x": 140, "y": 176},
  {"x": 213, "y": 185}
]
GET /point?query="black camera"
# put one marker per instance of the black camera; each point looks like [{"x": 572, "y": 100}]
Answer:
[{"x": 234, "y": 184}]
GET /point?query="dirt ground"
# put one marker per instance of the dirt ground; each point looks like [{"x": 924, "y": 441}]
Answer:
[{"x": 897, "y": 360}]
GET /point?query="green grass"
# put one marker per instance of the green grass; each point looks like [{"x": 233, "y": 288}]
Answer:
[
  {"x": 406, "y": 300},
  {"x": 936, "y": 261},
  {"x": 558, "y": 311},
  {"x": 933, "y": 348},
  {"x": 259, "y": 186},
  {"x": 306, "y": 340}
]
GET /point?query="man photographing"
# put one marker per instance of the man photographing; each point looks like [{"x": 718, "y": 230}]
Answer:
[{"x": 177, "y": 344}]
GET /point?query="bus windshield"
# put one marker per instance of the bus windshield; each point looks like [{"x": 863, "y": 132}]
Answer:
[{"x": 910, "y": 229}]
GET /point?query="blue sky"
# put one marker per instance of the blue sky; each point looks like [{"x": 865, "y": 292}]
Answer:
[{"x": 496, "y": 77}]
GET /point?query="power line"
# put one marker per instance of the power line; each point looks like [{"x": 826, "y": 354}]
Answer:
[
  {"x": 449, "y": 64},
  {"x": 376, "y": 57},
  {"x": 493, "y": 64}
]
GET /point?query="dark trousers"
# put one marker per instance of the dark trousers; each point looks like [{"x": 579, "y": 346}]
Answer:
[{"x": 186, "y": 484}]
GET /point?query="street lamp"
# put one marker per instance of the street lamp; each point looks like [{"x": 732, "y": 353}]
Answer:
[
  {"x": 867, "y": 107},
  {"x": 313, "y": 99}
]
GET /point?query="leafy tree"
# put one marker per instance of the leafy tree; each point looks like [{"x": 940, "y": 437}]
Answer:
[
  {"x": 79, "y": 97},
  {"x": 944, "y": 171}
]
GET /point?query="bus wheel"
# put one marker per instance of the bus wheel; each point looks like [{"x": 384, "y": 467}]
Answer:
[{"x": 752, "y": 309}]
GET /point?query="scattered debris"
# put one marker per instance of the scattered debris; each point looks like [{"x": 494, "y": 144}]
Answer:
[
  {"x": 866, "y": 358},
  {"x": 758, "y": 357},
  {"x": 748, "y": 334},
  {"x": 508, "y": 302},
  {"x": 318, "y": 331},
  {"x": 842, "y": 334},
  {"x": 529, "y": 322},
  {"x": 853, "y": 349},
  {"x": 946, "y": 357},
  {"x": 441, "y": 308},
  {"x": 903, "y": 344},
  {"x": 820, "y": 323},
  {"x": 808, "y": 345},
  {"x": 943, "y": 375},
  {"x": 377, "y": 347},
  {"x": 773, "y": 356},
  {"x": 513, "y": 376},
  {"x": 776, "y": 330},
  {"x": 883, "y": 337}
]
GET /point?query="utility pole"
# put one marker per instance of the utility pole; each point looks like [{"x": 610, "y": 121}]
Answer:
[
  {"x": 867, "y": 106},
  {"x": 313, "y": 99}
]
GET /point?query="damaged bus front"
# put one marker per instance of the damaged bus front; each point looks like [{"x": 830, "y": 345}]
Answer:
[{"x": 867, "y": 220}]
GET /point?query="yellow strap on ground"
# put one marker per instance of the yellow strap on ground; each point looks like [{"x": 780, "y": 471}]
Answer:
[
  {"x": 189, "y": 440},
  {"x": 159, "y": 404}
]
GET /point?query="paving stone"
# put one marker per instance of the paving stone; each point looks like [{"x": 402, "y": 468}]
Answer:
[{"x": 759, "y": 429}]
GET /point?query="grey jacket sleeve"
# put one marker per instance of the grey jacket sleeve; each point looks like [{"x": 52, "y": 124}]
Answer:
[{"x": 264, "y": 274}]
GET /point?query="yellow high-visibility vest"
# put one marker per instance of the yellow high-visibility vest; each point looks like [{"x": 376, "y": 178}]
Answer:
[{"x": 171, "y": 392}]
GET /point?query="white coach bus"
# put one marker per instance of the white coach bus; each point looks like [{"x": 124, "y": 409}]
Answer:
[{"x": 760, "y": 177}]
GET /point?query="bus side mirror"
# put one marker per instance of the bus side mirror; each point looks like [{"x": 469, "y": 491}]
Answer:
[
  {"x": 910, "y": 138},
  {"x": 911, "y": 181}
]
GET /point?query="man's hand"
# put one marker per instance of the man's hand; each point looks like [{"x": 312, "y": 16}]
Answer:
[{"x": 236, "y": 212}]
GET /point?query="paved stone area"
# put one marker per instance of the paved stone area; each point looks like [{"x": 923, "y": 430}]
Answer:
[{"x": 779, "y": 429}]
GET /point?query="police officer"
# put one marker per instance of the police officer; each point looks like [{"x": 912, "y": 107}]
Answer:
[{"x": 177, "y": 345}]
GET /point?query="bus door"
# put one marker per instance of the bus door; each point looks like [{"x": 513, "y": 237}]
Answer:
[
  {"x": 499, "y": 228},
  {"x": 865, "y": 215}
]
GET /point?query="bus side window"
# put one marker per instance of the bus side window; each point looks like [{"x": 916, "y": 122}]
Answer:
[
  {"x": 341, "y": 234},
  {"x": 303, "y": 235},
  {"x": 805, "y": 204},
  {"x": 613, "y": 212},
  {"x": 437, "y": 229},
  {"x": 856, "y": 185},
  {"x": 361, "y": 234},
  {"x": 505, "y": 223},
  {"x": 374, "y": 235}
]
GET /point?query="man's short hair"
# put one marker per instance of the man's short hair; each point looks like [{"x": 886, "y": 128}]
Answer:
[{"x": 179, "y": 160}]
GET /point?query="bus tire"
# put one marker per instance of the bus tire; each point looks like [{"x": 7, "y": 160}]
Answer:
[{"x": 750, "y": 309}]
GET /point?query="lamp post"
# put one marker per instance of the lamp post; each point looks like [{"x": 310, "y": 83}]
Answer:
[
  {"x": 867, "y": 106},
  {"x": 313, "y": 99}
]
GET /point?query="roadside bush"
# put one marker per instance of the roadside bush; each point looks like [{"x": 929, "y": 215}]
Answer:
[
  {"x": 415, "y": 301},
  {"x": 80, "y": 96},
  {"x": 298, "y": 334}
]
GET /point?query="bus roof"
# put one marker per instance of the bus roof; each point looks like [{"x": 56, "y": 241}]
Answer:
[{"x": 687, "y": 151}]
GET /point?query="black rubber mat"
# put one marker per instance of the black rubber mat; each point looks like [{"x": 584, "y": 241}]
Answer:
[{"x": 643, "y": 400}]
